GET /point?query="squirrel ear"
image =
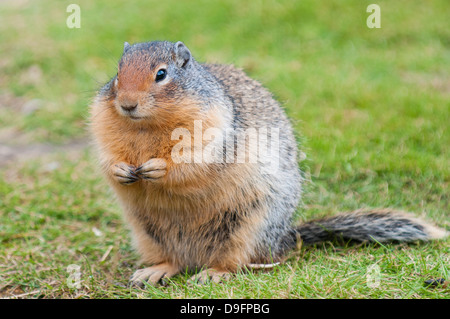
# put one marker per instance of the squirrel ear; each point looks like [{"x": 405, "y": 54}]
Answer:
[
  {"x": 126, "y": 46},
  {"x": 182, "y": 54}
]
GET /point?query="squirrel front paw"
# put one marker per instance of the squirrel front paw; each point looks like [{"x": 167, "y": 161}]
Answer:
[
  {"x": 152, "y": 169},
  {"x": 124, "y": 173}
]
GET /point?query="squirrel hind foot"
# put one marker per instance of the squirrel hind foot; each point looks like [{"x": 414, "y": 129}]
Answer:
[
  {"x": 210, "y": 275},
  {"x": 153, "y": 275}
]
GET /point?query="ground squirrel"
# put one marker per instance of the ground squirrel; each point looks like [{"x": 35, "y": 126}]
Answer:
[{"x": 212, "y": 211}]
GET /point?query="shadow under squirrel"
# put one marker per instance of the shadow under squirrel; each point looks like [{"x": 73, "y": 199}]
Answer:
[{"x": 213, "y": 215}]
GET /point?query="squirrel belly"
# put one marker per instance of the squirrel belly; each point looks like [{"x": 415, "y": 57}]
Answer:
[{"x": 230, "y": 206}]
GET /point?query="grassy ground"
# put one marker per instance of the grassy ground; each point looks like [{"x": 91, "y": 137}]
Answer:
[{"x": 371, "y": 107}]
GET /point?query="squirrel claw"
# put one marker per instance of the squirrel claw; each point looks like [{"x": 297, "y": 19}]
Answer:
[
  {"x": 152, "y": 169},
  {"x": 153, "y": 275},
  {"x": 124, "y": 173},
  {"x": 210, "y": 275}
]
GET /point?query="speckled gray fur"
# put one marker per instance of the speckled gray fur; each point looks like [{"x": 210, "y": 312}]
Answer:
[{"x": 250, "y": 105}]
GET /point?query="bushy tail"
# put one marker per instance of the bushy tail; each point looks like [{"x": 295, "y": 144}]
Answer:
[{"x": 369, "y": 226}]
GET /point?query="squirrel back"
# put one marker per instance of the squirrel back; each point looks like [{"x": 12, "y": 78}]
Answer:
[{"x": 204, "y": 162}]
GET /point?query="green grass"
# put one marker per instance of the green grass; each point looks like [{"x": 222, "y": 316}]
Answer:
[{"x": 371, "y": 108}]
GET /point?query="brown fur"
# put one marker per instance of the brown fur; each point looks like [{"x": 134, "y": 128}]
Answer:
[
  {"x": 216, "y": 215},
  {"x": 176, "y": 198}
]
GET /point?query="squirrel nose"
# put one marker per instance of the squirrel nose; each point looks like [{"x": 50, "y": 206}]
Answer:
[{"x": 128, "y": 106}]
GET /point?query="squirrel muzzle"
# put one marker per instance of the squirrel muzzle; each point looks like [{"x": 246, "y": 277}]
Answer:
[{"x": 130, "y": 104}]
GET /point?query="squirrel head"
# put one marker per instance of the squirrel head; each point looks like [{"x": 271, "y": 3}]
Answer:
[{"x": 156, "y": 79}]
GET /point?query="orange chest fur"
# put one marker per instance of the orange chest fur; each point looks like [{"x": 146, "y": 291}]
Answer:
[{"x": 137, "y": 147}]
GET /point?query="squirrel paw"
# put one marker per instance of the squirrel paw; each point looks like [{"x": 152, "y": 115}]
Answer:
[
  {"x": 124, "y": 173},
  {"x": 153, "y": 275},
  {"x": 208, "y": 275},
  {"x": 152, "y": 169}
]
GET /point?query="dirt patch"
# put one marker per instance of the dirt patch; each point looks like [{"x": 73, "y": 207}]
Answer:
[
  {"x": 23, "y": 153},
  {"x": 438, "y": 82},
  {"x": 16, "y": 148},
  {"x": 19, "y": 104}
]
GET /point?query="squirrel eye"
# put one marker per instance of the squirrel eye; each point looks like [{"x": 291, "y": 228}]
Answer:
[{"x": 160, "y": 75}]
